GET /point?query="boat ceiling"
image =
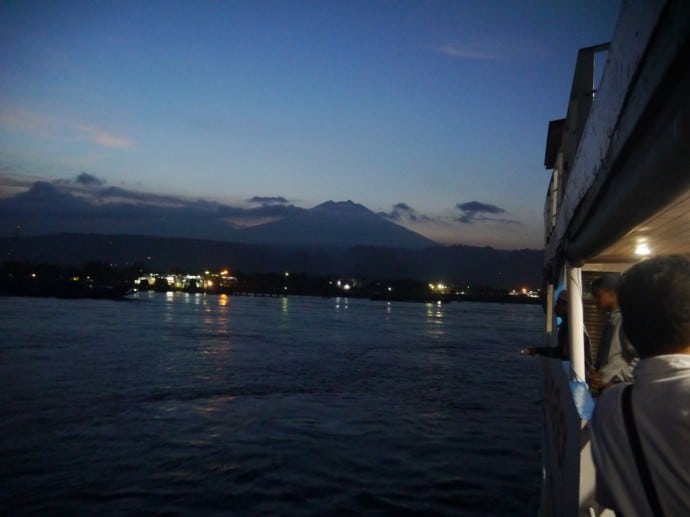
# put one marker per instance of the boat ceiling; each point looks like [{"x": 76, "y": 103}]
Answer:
[
  {"x": 667, "y": 232},
  {"x": 627, "y": 196}
]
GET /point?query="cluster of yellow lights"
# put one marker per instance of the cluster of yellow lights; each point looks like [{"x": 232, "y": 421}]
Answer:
[{"x": 344, "y": 286}]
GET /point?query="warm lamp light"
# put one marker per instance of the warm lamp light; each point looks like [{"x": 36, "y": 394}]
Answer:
[{"x": 642, "y": 249}]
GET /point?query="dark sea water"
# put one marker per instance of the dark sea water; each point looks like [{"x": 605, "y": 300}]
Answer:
[{"x": 200, "y": 404}]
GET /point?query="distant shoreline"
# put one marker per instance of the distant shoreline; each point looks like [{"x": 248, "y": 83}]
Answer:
[
  {"x": 104, "y": 280},
  {"x": 121, "y": 293},
  {"x": 488, "y": 298}
]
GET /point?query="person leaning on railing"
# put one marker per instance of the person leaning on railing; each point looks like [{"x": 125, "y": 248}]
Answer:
[
  {"x": 641, "y": 430},
  {"x": 562, "y": 350}
]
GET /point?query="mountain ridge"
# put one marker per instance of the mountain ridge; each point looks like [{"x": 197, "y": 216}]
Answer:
[
  {"x": 460, "y": 263},
  {"x": 46, "y": 208},
  {"x": 336, "y": 223}
]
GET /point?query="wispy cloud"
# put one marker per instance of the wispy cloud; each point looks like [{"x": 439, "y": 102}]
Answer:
[
  {"x": 476, "y": 211},
  {"x": 86, "y": 187},
  {"x": 12, "y": 183},
  {"x": 9, "y": 178},
  {"x": 469, "y": 52},
  {"x": 268, "y": 200},
  {"x": 122, "y": 195},
  {"x": 263, "y": 211},
  {"x": 103, "y": 138},
  {"x": 94, "y": 189},
  {"x": 493, "y": 50},
  {"x": 16, "y": 119},
  {"x": 46, "y": 126}
]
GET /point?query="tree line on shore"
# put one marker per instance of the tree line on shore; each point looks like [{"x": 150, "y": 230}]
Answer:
[{"x": 29, "y": 278}]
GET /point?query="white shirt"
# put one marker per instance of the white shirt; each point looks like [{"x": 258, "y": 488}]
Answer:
[{"x": 661, "y": 408}]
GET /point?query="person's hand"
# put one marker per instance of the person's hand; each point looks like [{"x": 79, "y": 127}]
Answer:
[
  {"x": 594, "y": 380},
  {"x": 528, "y": 350},
  {"x": 612, "y": 382}
]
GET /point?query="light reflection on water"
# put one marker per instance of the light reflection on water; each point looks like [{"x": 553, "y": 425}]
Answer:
[
  {"x": 341, "y": 303},
  {"x": 213, "y": 404}
]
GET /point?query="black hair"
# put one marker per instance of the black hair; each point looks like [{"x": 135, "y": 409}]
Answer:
[
  {"x": 606, "y": 282},
  {"x": 654, "y": 298}
]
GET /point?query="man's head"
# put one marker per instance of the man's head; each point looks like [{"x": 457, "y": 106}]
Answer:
[
  {"x": 561, "y": 307},
  {"x": 654, "y": 297},
  {"x": 604, "y": 291}
]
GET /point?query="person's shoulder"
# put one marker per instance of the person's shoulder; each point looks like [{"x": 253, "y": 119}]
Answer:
[
  {"x": 608, "y": 405},
  {"x": 612, "y": 395}
]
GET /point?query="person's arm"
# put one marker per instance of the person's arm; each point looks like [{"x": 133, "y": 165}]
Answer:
[
  {"x": 617, "y": 368},
  {"x": 546, "y": 351}
]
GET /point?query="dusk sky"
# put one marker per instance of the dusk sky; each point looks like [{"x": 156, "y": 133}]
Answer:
[{"x": 434, "y": 112}]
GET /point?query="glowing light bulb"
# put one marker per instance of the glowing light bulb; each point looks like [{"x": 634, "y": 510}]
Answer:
[{"x": 642, "y": 249}]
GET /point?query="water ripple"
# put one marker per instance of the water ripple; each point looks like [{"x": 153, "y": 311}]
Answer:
[{"x": 178, "y": 406}]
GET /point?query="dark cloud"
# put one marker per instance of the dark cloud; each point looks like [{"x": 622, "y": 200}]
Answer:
[
  {"x": 88, "y": 180},
  {"x": 403, "y": 211},
  {"x": 478, "y": 206},
  {"x": 404, "y": 208},
  {"x": 45, "y": 199},
  {"x": 264, "y": 211},
  {"x": 278, "y": 208},
  {"x": 476, "y": 211},
  {"x": 64, "y": 206},
  {"x": 268, "y": 200},
  {"x": 131, "y": 196}
]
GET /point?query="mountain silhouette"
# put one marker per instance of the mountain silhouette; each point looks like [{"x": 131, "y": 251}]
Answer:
[
  {"x": 341, "y": 224},
  {"x": 333, "y": 238},
  {"x": 47, "y": 208}
]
